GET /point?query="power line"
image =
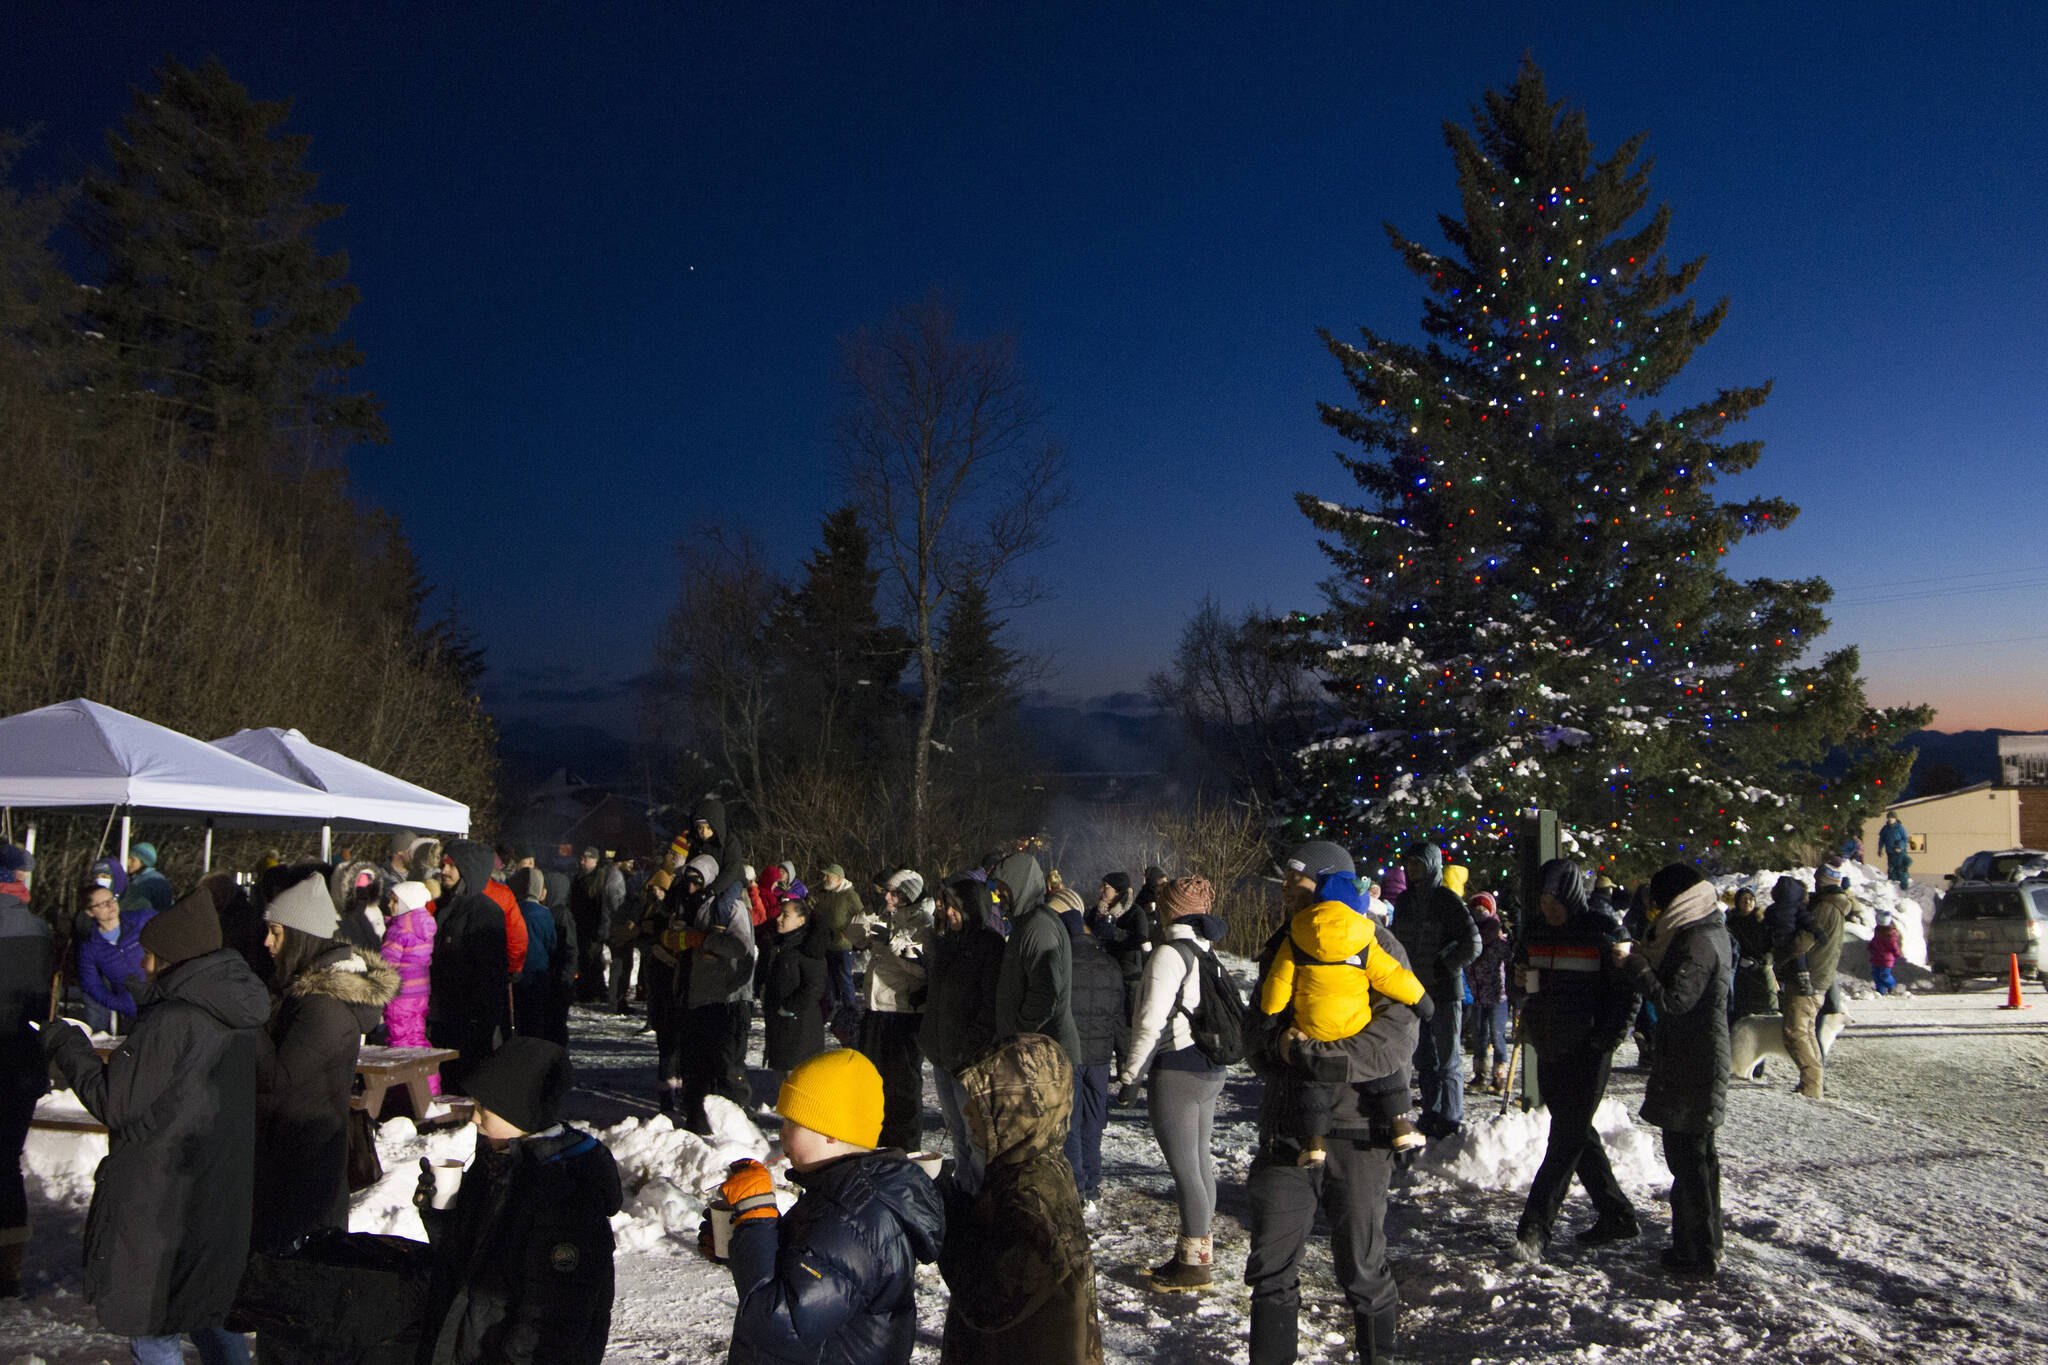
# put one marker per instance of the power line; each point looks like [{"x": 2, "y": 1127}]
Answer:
[
  {"x": 1960, "y": 644},
  {"x": 1952, "y": 577},
  {"x": 1941, "y": 593}
]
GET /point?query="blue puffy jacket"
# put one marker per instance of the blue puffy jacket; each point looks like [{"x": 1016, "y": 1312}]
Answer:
[
  {"x": 834, "y": 1280},
  {"x": 104, "y": 967}
]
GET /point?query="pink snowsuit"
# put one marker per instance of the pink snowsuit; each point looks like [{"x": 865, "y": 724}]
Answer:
[
  {"x": 409, "y": 946},
  {"x": 1884, "y": 946}
]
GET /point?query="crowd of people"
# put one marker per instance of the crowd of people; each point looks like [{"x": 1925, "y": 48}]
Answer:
[{"x": 240, "y": 1008}]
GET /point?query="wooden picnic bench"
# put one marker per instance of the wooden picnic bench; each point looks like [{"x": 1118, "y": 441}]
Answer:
[{"x": 381, "y": 1069}]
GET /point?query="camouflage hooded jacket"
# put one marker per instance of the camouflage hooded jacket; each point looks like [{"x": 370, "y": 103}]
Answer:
[{"x": 1016, "y": 1255}]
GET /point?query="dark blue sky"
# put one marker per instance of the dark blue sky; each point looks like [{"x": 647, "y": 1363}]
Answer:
[{"x": 606, "y": 259}]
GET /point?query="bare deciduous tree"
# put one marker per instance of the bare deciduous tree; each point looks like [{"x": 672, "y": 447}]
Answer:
[
  {"x": 1241, "y": 690},
  {"x": 714, "y": 660},
  {"x": 944, "y": 452}
]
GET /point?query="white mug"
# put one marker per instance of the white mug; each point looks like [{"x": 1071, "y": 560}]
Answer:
[
  {"x": 721, "y": 1229},
  {"x": 447, "y": 1181}
]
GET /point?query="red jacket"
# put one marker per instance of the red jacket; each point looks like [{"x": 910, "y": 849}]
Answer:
[
  {"x": 1885, "y": 945},
  {"x": 515, "y": 925}
]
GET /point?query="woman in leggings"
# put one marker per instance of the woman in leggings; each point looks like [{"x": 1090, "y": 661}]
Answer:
[{"x": 1184, "y": 1083}]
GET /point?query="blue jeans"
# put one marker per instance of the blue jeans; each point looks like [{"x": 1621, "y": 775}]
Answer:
[
  {"x": 217, "y": 1346},
  {"x": 1084, "y": 1129},
  {"x": 1440, "y": 1071},
  {"x": 1884, "y": 979},
  {"x": 1493, "y": 1033},
  {"x": 968, "y": 1162}
]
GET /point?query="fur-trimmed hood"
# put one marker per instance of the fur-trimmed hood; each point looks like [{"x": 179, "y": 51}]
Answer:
[{"x": 357, "y": 978}]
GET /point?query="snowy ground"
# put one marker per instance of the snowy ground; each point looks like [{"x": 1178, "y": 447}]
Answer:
[{"x": 1903, "y": 1218}]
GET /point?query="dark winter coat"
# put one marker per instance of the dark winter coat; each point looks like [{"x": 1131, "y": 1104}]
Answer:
[
  {"x": 1098, "y": 1001},
  {"x": 1017, "y": 1258},
  {"x": 1582, "y": 1006},
  {"x": 104, "y": 968},
  {"x": 523, "y": 1261},
  {"x": 1380, "y": 1049},
  {"x": 540, "y": 943},
  {"x": 469, "y": 971},
  {"x": 305, "y": 1074},
  {"x": 1688, "y": 1088},
  {"x": 791, "y": 1017},
  {"x": 834, "y": 1280},
  {"x": 1126, "y": 935},
  {"x": 1756, "y": 982},
  {"x": 167, "y": 1237},
  {"x": 1436, "y": 928},
  {"x": 27, "y": 962},
  {"x": 1034, "y": 992},
  {"x": 961, "y": 972},
  {"x": 148, "y": 889}
]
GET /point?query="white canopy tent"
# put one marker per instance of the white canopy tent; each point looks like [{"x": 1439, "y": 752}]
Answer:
[
  {"x": 80, "y": 753},
  {"x": 363, "y": 797}
]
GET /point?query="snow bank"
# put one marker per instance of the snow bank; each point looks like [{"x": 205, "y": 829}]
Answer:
[
  {"x": 1502, "y": 1152},
  {"x": 1911, "y": 909},
  {"x": 666, "y": 1172}
]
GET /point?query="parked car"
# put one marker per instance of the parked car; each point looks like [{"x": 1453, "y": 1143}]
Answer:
[
  {"x": 2002, "y": 865},
  {"x": 1979, "y": 926}
]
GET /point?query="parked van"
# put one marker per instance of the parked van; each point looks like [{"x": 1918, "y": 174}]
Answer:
[{"x": 1979, "y": 926}]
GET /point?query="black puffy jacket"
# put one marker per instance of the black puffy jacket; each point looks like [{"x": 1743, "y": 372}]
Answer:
[
  {"x": 834, "y": 1280},
  {"x": 305, "y": 1074},
  {"x": 1098, "y": 1001},
  {"x": 167, "y": 1238},
  {"x": 790, "y": 1017},
  {"x": 468, "y": 974},
  {"x": 961, "y": 971},
  {"x": 523, "y": 1261},
  {"x": 1688, "y": 1089},
  {"x": 1437, "y": 929}
]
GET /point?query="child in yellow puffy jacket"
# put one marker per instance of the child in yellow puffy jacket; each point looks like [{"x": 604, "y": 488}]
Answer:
[{"x": 1326, "y": 971}]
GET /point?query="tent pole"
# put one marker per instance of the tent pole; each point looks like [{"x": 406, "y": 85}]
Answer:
[
  {"x": 29, "y": 843},
  {"x": 125, "y": 817},
  {"x": 326, "y": 843},
  {"x": 206, "y": 855}
]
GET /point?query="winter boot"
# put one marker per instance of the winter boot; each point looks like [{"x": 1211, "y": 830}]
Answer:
[
  {"x": 1407, "y": 1137},
  {"x": 1527, "y": 1248},
  {"x": 1500, "y": 1078},
  {"x": 1376, "y": 1337},
  {"x": 1275, "y": 1334},
  {"x": 1193, "y": 1262},
  {"x": 10, "y": 1266},
  {"x": 1618, "y": 1226}
]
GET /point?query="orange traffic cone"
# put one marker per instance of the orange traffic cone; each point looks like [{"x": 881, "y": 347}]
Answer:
[{"x": 2012, "y": 989}]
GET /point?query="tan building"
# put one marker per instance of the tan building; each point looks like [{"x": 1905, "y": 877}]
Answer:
[{"x": 1948, "y": 828}]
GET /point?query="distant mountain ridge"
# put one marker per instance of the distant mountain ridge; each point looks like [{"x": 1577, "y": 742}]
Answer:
[{"x": 1971, "y": 753}]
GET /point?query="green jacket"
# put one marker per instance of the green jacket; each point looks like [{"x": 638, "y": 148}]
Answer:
[
  {"x": 1016, "y": 1255},
  {"x": 834, "y": 909},
  {"x": 1822, "y": 944}
]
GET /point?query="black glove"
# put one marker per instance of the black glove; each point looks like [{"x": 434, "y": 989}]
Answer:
[
  {"x": 1131, "y": 1093},
  {"x": 1425, "y": 1008}
]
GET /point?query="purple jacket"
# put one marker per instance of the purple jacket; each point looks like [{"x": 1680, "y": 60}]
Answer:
[
  {"x": 1884, "y": 946},
  {"x": 104, "y": 967},
  {"x": 1487, "y": 973},
  {"x": 409, "y": 947}
]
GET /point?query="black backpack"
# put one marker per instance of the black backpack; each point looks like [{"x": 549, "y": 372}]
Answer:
[{"x": 1217, "y": 1023}]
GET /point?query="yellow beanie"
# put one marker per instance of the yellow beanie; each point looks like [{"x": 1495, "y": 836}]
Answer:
[{"x": 837, "y": 1093}]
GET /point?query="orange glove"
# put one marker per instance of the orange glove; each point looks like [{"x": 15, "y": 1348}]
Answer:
[
  {"x": 750, "y": 1190},
  {"x": 694, "y": 939}
]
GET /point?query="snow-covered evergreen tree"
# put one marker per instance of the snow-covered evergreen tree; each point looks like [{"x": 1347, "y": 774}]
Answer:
[{"x": 1530, "y": 608}]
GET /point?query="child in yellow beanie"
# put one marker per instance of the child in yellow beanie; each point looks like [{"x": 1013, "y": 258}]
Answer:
[
  {"x": 836, "y": 1277},
  {"x": 1327, "y": 969}
]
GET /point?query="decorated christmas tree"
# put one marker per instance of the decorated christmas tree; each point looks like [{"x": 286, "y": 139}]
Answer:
[{"x": 1530, "y": 607}]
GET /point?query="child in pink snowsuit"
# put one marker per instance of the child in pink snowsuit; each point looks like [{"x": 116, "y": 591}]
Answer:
[{"x": 409, "y": 946}]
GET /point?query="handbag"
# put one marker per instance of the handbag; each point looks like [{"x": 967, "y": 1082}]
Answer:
[{"x": 365, "y": 1167}]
